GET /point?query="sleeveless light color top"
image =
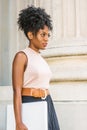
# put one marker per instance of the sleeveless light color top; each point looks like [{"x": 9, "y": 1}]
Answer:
[{"x": 37, "y": 73}]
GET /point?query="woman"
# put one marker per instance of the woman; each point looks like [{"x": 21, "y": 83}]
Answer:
[{"x": 30, "y": 72}]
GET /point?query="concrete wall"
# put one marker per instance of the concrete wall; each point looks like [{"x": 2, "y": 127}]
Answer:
[{"x": 66, "y": 55}]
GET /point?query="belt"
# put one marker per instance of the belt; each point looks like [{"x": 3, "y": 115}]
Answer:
[{"x": 35, "y": 92}]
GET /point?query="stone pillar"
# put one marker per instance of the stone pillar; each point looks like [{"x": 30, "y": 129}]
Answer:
[
  {"x": 4, "y": 42},
  {"x": 66, "y": 55}
]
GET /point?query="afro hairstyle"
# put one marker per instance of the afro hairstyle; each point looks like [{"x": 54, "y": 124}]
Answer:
[{"x": 32, "y": 18}]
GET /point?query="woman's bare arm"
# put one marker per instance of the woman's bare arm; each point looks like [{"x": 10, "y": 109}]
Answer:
[{"x": 18, "y": 68}]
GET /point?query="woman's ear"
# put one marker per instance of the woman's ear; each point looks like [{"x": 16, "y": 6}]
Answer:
[{"x": 30, "y": 35}]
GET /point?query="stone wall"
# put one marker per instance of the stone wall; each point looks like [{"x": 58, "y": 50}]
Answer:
[{"x": 66, "y": 55}]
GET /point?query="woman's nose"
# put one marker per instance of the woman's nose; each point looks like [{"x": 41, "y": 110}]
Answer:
[{"x": 46, "y": 37}]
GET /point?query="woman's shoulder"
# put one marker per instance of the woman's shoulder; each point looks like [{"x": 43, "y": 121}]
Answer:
[{"x": 20, "y": 56}]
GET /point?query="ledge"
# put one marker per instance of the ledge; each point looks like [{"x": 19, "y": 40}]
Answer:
[{"x": 57, "y": 51}]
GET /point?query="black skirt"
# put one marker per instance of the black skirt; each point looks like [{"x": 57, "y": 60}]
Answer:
[{"x": 52, "y": 117}]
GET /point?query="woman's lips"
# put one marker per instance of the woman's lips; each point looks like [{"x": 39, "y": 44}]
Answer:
[{"x": 44, "y": 44}]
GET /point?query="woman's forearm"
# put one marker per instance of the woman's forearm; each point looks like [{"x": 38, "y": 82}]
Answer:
[{"x": 17, "y": 106}]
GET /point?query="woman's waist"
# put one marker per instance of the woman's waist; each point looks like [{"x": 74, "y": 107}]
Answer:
[
  {"x": 35, "y": 92},
  {"x": 36, "y": 84}
]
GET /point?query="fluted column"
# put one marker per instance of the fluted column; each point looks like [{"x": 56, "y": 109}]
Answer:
[{"x": 4, "y": 42}]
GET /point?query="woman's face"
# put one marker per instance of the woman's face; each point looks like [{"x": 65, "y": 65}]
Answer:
[{"x": 40, "y": 40}]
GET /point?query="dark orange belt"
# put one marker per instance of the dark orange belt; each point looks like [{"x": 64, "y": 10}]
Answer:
[{"x": 35, "y": 92}]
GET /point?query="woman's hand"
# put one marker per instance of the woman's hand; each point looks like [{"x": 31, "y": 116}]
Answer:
[{"x": 21, "y": 126}]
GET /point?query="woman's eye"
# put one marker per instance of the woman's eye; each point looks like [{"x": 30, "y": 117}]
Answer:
[{"x": 43, "y": 34}]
